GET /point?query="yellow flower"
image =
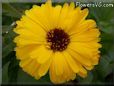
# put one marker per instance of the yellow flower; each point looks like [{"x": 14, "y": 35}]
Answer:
[{"x": 57, "y": 39}]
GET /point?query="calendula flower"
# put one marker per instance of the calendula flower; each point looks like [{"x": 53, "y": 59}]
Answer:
[{"x": 57, "y": 39}]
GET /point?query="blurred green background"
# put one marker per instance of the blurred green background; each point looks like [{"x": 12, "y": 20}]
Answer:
[{"x": 13, "y": 74}]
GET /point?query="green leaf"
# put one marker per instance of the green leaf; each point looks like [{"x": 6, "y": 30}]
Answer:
[
  {"x": 7, "y": 41},
  {"x": 7, "y": 49},
  {"x": 9, "y": 10},
  {"x": 102, "y": 14},
  {"x": 24, "y": 78},
  {"x": 106, "y": 27},
  {"x": 13, "y": 70},
  {"x": 104, "y": 67},
  {"x": 22, "y": 7},
  {"x": 103, "y": 17},
  {"x": 5, "y": 74},
  {"x": 6, "y": 29},
  {"x": 7, "y": 58},
  {"x": 86, "y": 80},
  {"x": 107, "y": 42}
]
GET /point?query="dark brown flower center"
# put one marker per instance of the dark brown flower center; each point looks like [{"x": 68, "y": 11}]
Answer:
[{"x": 58, "y": 39}]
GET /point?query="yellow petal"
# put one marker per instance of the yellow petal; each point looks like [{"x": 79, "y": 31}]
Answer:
[
  {"x": 89, "y": 35},
  {"x": 83, "y": 14},
  {"x": 60, "y": 71},
  {"x": 23, "y": 52},
  {"x": 25, "y": 62},
  {"x": 95, "y": 59},
  {"x": 72, "y": 5},
  {"x": 82, "y": 74},
  {"x": 67, "y": 17},
  {"x": 36, "y": 70},
  {"x": 79, "y": 58},
  {"x": 82, "y": 71},
  {"x": 28, "y": 24},
  {"x": 29, "y": 68},
  {"x": 71, "y": 62},
  {"x": 42, "y": 54},
  {"x": 91, "y": 45},
  {"x": 68, "y": 73},
  {"x": 21, "y": 41},
  {"x": 48, "y": 10},
  {"x": 89, "y": 67},
  {"x": 43, "y": 69},
  {"x": 37, "y": 14},
  {"x": 83, "y": 26},
  {"x": 55, "y": 15},
  {"x": 53, "y": 77},
  {"x": 77, "y": 47},
  {"x": 58, "y": 62},
  {"x": 63, "y": 14},
  {"x": 36, "y": 66}
]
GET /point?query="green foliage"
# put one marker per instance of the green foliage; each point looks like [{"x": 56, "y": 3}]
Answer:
[
  {"x": 12, "y": 73},
  {"x": 10, "y": 11}
]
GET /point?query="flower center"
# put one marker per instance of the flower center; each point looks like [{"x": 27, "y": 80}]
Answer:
[{"x": 58, "y": 39}]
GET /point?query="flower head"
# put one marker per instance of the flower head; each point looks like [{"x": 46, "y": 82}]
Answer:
[{"x": 57, "y": 39}]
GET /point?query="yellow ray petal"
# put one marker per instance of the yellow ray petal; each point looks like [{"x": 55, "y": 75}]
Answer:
[
  {"x": 28, "y": 24},
  {"x": 89, "y": 67},
  {"x": 83, "y": 26},
  {"x": 83, "y": 14},
  {"x": 58, "y": 62},
  {"x": 73, "y": 65},
  {"x": 30, "y": 67},
  {"x": 79, "y": 58},
  {"x": 95, "y": 59},
  {"x": 23, "y": 52},
  {"x": 37, "y": 14},
  {"x": 82, "y": 71},
  {"x": 26, "y": 34},
  {"x": 89, "y": 35},
  {"x": 43, "y": 69},
  {"x": 77, "y": 47},
  {"x": 21, "y": 41},
  {"x": 72, "y": 5},
  {"x": 63, "y": 14},
  {"x": 67, "y": 17},
  {"x": 68, "y": 73},
  {"x": 42, "y": 54},
  {"x": 35, "y": 68},
  {"x": 55, "y": 16},
  {"x": 53, "y": 77},
  {"x": 91, "y": 45},
  {"x": 25, "y": 62}
]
